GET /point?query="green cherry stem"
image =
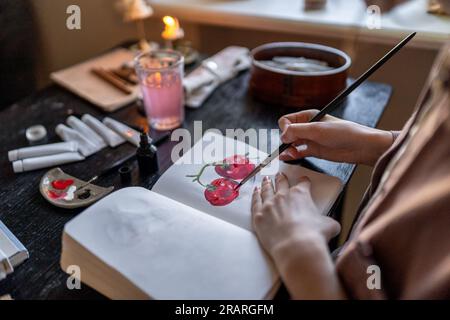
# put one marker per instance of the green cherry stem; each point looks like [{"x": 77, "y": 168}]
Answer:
[
  {"x": 202, "y": 170},
  {"x": 199, "y": 175}
]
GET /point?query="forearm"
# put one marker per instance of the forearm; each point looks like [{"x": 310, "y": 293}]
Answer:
[
  {"x": 307, "y": 270},
  {"x": 375, "y": 144}
]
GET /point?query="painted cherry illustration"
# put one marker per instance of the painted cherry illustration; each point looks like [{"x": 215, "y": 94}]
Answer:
[
  {"x": 223, "y": 191},
  {"x": 236, "y": 167}
]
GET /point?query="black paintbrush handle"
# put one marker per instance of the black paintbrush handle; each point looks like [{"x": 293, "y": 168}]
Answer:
[
  {"x": 334, "y": 104},
  {"x": 340, "y": 98}
]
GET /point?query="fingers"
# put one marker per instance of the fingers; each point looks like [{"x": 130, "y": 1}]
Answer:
[
  {"x": 304, "y": 149},
  {"x": 256, "y": 201},
  {"x": 283, "y": 123},
  {"x": 294, "y": 153},
  {"x": 281, "y": 183},
  {"x": 297, "y": 117},
  {"x": 303, "y": 185},
  {"x": 306, "y": 131},
  {"x": 332, "y": 229},
  {"x": 267, "y": 190},
  {"x": 305, "y": 181},
  {"x": 256, "y": 206}
]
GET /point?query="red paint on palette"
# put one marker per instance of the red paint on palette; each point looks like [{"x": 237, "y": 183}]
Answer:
[
  {"x": 55, "y": 195},
  {"x": 221, "y": 192},
  {"x": 62, "y": 184}
]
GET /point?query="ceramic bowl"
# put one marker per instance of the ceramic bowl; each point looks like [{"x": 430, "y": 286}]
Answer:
[{"x": 298, "y": 89}]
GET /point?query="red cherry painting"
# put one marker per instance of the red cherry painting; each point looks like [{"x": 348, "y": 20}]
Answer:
[
  {"x": 236, "y": 167},
  {"x": 221, "y": 192}
]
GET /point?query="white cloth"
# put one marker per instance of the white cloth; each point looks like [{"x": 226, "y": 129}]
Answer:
[{"x": 223, "y": 66}]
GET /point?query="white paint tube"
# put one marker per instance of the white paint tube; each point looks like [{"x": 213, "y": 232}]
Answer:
[
  {"x": 124, "y": 131},
  {"x": 112, "y": 138},
  {"x": 43, "y": 150},
  {"x": 5, "y": 265},
  {"x": 45, "y": 162},
  {"x": 86, "y": 131},
  {"x": 85, "y": 147}
]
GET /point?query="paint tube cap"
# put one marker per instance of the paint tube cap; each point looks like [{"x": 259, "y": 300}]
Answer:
[
  {"x": 125, "y": 175},
  {"x": 18, "y": 166},
  {"x": 13, "y": 155},
  {"x": 36, "y": 133}
]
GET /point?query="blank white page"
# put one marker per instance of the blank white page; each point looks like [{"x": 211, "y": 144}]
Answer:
[{"x": 172, "y": 251}]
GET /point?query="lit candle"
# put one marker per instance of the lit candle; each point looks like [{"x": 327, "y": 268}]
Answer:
[{"x": 172, "y": 30}]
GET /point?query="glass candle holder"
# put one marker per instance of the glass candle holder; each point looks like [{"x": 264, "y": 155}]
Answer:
[{"x": 160, "y": 75}]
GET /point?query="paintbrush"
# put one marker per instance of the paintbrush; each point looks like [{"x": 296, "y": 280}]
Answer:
[{"x": 330, "y": 107}]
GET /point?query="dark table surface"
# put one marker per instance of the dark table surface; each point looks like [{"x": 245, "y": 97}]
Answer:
[{"x": 39, "y": 225}]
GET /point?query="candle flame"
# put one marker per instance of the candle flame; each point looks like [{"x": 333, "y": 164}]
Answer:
[
  {"x": 169, "y": 21},
  {"x": 158, "y": 79},
  {"x": 172, "y": 30},
  {"x": 154, "y": 80}
]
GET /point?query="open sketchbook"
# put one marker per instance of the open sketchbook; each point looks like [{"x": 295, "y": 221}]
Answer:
[{"x": 188, "y": 238}]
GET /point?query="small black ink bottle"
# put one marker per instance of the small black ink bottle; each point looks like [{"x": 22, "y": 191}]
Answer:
[{"x": 147, "y": 157}]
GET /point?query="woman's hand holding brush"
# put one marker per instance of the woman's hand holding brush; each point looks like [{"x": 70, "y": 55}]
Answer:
[{"x": 332, "y": 139}]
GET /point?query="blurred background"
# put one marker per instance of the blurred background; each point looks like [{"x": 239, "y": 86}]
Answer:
[{"x": 35, "y": 41}]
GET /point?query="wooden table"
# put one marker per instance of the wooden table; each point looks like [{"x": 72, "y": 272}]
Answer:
[{"x": 39, "y": 225}]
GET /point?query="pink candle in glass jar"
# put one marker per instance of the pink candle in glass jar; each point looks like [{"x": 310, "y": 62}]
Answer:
[{"x": 161, "y": 80}]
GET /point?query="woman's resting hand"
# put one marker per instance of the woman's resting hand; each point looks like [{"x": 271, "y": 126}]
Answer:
[
  {"x": 332, "y": 139},
  {"x": 283, "y": 214},
  {"x": 292, "y": 231}
]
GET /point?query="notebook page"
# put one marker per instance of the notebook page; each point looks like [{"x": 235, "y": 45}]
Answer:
[
  {"x": 174, "y": 183},
  {"x": 171, "y": 251}
]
